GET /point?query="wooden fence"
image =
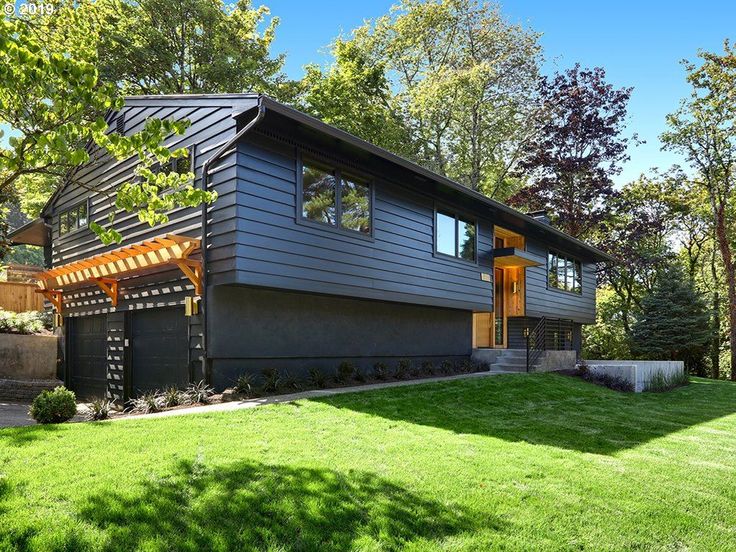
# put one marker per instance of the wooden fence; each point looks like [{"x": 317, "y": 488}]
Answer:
[{"x": 19, "y": 297}]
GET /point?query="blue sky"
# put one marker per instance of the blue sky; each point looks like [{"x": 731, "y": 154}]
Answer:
[{"x": 640, "y": 44}]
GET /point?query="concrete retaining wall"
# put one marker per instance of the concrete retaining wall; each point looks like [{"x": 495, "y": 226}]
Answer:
[
  {"x": 552, "y": 361},
  {"x": 638, "y": 372},
  {"x": 28, "y": 357}
]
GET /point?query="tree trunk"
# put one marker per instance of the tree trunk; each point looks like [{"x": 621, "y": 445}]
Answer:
[
  {"x": 715, "y": 346},
  {"x": 726, "y": 254}
]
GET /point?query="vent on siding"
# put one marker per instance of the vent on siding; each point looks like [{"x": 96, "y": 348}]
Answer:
[{"x": 120, "y": 124}]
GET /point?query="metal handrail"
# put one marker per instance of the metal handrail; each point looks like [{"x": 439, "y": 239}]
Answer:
[{"x": 536, "y": 343}]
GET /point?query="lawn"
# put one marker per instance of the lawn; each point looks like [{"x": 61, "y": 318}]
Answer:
[{"x": 509, "y": 462}]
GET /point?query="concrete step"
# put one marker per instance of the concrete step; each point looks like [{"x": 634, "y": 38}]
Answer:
[{"x": 508, "y": 367}]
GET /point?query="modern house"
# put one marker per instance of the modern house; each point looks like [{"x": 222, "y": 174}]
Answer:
[{"x": 320, "y": 248}]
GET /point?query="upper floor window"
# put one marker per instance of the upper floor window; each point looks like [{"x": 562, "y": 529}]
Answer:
[
  {"x": 335, "y": 198},
  {"x": 455, "y": 235},
  {"x": 72, "y": 219},
  {"x": 564, "y": 273}
]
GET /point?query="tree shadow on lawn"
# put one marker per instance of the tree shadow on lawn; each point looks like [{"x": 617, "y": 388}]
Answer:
[
  {"x": 250, "y": 505},
  {"x": 548, "y": 409},
  {"x": 24, "y": 435}
]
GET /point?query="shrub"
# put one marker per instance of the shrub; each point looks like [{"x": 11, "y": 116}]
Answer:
[
  {"x": 199, "y": 393},
  {"x": 317, "y": 378},
  {"x": 447, "y": 367},
  {"x": 402, "y": 368},
  {"x": 660, "y": 382},
  {"x": 427, "y": 368},
  {"x": 290, "y": 382},
  {"x": 172, "y": 397},
  {"x": 53, "y": 407},
  {"x": 244, "y": 384},
  {"x": 99, "y": 409},
  {"x": 31, "y": 322},
  {"x": 415, "y": 370},
  {"x": 612, "y": 382},
  {"x": 380, "y": 371},
  {"x": 465, "y": 366},
  {"x": 345, "y": 372},
  {"x": 359, "y": 376},
  {"x": 271, "y": 380},
  {"x": 582, "y": 368},
  {"x": 147, "y": 403}
]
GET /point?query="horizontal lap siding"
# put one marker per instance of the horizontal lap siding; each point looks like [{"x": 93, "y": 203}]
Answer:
[
  {"x": 211, "y": 125},
  {"x": 274, "y": 250},
  {"x": 553, "y": 303}
]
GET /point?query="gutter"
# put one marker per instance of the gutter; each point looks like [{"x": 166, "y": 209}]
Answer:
[{"x": 203, "y": 244}]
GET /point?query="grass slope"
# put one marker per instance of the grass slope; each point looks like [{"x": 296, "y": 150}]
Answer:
[{"x": 508, "y": 462}]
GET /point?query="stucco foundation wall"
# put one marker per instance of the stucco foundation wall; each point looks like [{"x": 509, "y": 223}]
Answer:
[
  {"x": 638, "y": 372},
  {"x": 28, "y": 357}
]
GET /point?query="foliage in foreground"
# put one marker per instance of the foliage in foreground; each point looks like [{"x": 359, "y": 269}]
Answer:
[{"x": 54, "y": 406}]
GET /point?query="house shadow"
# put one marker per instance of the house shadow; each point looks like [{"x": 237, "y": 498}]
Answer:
[
  {"x": 548, "y": 409},
  {"x": 255, "y": 506},
  {"x": 24, "y": 435}
]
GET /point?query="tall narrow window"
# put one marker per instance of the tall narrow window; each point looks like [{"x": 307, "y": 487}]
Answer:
[
  {"x": 564, "y": 273},
  {"x": 455, "y": 236},
  {"x": 319, "y": 195}
]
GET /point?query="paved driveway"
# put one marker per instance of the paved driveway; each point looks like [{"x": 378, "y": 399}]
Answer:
[{"x": 14, "y": 414}]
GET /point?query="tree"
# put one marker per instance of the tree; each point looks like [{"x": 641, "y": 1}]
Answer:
[
  {"x": 704, "y": 131},
  {"x": 452, "y": 76},
  {"x": 674, "y": 323},
  {"x": 188, "y": 47},
  {"x": 58, "y": 112},
  {"x": 355, "y": 95},
  {"x": 570, "y": 162}
]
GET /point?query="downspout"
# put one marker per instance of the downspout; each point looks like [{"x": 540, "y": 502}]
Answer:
[{"x": 203, "y": 244}]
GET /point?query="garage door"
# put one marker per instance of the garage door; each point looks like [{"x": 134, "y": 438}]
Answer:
[
  {"x": 159, "y": 350},
  {"x": 87, "y": 363}
]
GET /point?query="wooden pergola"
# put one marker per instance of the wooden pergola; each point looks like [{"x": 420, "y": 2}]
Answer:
[{"x": 106, "y": 269}]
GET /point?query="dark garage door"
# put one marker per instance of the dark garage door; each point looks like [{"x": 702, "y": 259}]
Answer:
[
  {"x": 87, "y": 366},
  {"x": 160, "y": 350}
]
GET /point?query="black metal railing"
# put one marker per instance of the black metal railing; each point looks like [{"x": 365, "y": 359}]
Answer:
[{"x": 547, "y": 335}]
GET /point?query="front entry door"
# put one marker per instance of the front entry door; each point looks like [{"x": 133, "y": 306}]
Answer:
[{"x": 499, "y": 309}]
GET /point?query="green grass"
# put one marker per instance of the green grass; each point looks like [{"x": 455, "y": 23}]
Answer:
[{"x": 509, "y": 462}]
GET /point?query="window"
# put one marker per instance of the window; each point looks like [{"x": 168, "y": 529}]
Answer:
[
  {"x": 73, "y": 218},
  {"x": 337, "y": 199},
  {"x": 564, "y": 273},
  {"x": 455, "y": 235}
]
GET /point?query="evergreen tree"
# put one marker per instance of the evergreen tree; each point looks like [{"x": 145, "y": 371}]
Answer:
[{"x": 674, "y": 322}]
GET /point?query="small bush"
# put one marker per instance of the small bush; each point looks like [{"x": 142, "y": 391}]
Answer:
[
  {"x": 99, "y": 409},
  {"x": 244, "y": 385},
  {"x": 582, "y": 368},
  {"x": 199, "y": 393},
  {"x": 31, "y": 322},
  {"x": 660, "y": 382},
  {"x": 172, "y": 397},
  {"x": 447, "y": 367},
  {"x": 271, "y": 380},
  {"x": 317, "y": 378},
  {"x": 427, "y": 368},
  {"x": 465, "y": 366},
  {"x": 402, "y": 369},
  {"x": 612, "y": 382},
  {"x": 289, "y": 382},
  {"x": 147, "y": 403},
  {"x": 54, "y": 407},
  {"x": 359, "y": 376},
  {"x": 415, "y": 370},
  {"x": 380, "y": 371},
  {"x": 345, "y": 372}
]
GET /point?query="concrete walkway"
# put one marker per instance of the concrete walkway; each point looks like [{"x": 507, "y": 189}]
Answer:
[
  {"x": 315, "y": 393},
  {"x": 14, "y": 415}
]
